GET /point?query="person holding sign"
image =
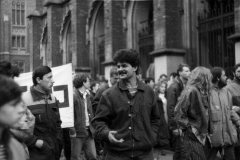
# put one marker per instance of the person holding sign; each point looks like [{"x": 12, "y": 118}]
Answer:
[{"x": 46, "y": 141}]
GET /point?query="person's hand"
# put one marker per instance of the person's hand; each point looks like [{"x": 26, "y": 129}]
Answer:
[
  {"x": 39, "y": 143},
  {"x": 177, "y": 132},
  {"x": 72, "y": 132},
  {"x": 236, "y": 109},
  {"x": 112, "y": 139}
]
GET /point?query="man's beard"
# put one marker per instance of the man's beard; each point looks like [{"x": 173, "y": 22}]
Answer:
[
  {"x": 237, "y": 78},
  {"x": 222, "y": 84}
]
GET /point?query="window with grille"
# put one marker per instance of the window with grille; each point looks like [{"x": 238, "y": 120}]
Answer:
[
  {"x": 18, "y": 41},
  {"x": 18, "y": 13},
  {"x": 216, "y": 24}
]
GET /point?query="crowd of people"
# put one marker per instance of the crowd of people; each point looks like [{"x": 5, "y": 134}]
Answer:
[{"x": 193, "y": 113}]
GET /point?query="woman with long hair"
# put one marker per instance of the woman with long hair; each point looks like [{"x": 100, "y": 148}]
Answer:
[
  {"x": 163, "y": 140},
  {"x": 192, "y": 114}
]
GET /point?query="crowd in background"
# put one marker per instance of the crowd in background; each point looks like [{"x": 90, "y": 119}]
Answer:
[{"x": 193, "y": 113}]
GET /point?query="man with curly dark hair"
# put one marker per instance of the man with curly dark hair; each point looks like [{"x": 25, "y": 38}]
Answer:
[{"x": 127, "y": 117}]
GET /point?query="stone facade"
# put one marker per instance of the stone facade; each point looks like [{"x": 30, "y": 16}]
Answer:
[
  {"x": 14, "y": 32},
  {"x": 87, "y": 33}
]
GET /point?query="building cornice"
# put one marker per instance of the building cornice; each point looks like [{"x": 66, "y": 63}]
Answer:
[
  {"x": 36, "y": 14},
  {"x": 108, "y": 63},
  {"x": 168, "y": 51},
  {"x": 50, "y": 3},
  {"x": 235, "y": 37},
  {"x": 83, "y": 69}
]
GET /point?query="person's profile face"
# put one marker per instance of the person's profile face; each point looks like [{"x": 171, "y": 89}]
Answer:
[
  {"x": 11, "y": 113},
  {"x": 185, "y": 73},
  {"x": 87, "y": 84},
  {"x": 223, "y": 80},
  {"x": 46, "y": 82},
  {"x": 237, "y": 73}
]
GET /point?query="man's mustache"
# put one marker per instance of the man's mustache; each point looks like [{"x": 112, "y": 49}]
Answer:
[{"x": 122, "y": 72}]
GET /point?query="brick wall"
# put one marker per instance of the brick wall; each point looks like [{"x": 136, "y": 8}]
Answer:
[
  {"x": 79, "y": 47},
  {"x": 35, "y": 29},
  {"x": 237, "y": 16},
  {"x": 167, "y": 24},
  {"x": 54, "y": 21},
  {"x": 5, "y": 22},
  {"x": 115, "y": 37},
  {"x": 118, "y": 36}
]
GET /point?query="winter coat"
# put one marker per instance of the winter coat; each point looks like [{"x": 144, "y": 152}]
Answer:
[
  {"x": 79, "y": 115},
  {"x": 222, "y": 118},
  {"x": 173, "y": 92},
  {"x": 234, "y": 89},
  {"x": 136, "y": 119},
  {"x": 47, "y": 125}
]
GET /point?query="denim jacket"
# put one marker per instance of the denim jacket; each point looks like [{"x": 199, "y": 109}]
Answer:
[{"x": 136, "y": 120}]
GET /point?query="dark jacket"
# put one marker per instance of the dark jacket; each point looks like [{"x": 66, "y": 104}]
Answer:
[
  {"x": 79, "y": 115},
  {"x": 97, "y": 97},
  {"x": 222, "y": 118},
  {"x": 193, "y": 110},
  {"x": 136, "y": 120},
  {"x": 47, "y": 126},
  {"x": 173, "y": 92},
  {"x": 234, "y": 89},
  {"x": 163, "y": 133}
]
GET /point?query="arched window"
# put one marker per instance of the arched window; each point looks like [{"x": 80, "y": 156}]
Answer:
[
  {"x": 66, "y": 38},
  {"x": 143, "y": 33},
  {"x": 99, "y": 42}
]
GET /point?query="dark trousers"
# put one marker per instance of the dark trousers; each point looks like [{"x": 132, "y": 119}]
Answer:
[
  {"x": 179, "y": 147},
  {"x": 141, "y": 157},
  {"x": 228, "y": 153},
  {"x": 191, "y": 148},
  {"x": 67, "y": 143},
  {"x": 237, "y": 152},
  {"x": 99, "y": 145}
]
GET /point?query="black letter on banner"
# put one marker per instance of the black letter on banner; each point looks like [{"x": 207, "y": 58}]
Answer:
[
  {"x": 23, "y": 88},
  {"x": 63, "y": 88}
]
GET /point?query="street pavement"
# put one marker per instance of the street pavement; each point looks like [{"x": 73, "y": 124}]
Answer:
[
  {"x": 158, "y": 156},
  {"x": 156, "y": 153}
]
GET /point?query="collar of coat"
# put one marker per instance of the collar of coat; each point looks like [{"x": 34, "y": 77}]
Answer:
[
  {"x": 140, "y": 85},
  {"x": 39, "y": 95},
  {"x": 78, "y": 93}
]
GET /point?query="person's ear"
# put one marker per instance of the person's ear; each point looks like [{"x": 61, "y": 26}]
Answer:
[
  {"x": 38, "y": 80},
  {"x": 135, "y": 68}
]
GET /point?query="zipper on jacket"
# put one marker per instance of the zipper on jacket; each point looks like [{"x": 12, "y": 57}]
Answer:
[
  {"x": 39, "y": 118},
  {"x": 47, "y": 110}
]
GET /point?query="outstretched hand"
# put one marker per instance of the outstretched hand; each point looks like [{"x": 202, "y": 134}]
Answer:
[{"x": 112, "y": 139}]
